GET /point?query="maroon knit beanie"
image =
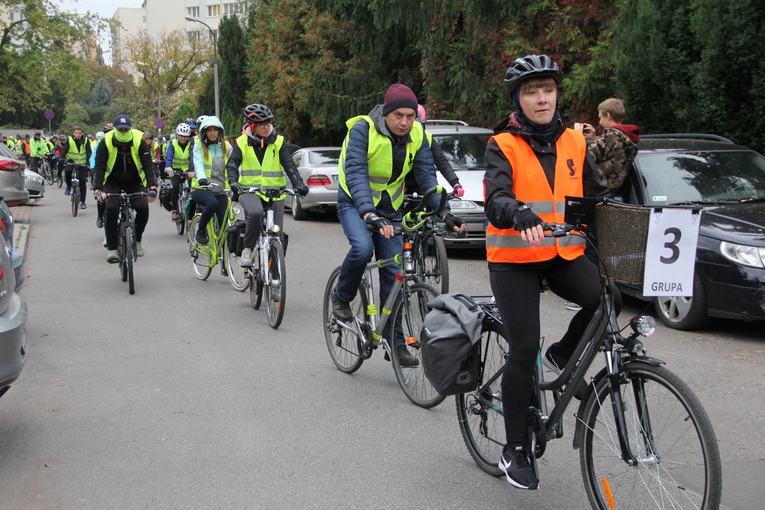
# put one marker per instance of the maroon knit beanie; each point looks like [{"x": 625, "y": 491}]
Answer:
[{"x": 399, "y": 96}]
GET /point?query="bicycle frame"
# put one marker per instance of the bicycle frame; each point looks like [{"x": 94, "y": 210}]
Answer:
[{"x": 214, "y": 250}]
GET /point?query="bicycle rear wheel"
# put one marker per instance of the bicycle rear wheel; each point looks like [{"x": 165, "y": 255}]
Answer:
[
  {"x": 180, "y": 220},
  {"x": 59, "y": 177},
  {"x": 235, "y": 272},
  {"x": 48, "y": 171},
  {"x": 342, "y": 341},
  {"x": 256, "y": 288},
  {"x": 410, "y": 311},
  {"x": 433, "y": 263},
  {"x": 75, "y": 198},
  {"x": 199, "y": 254},
  {"x": 668, "y": 432},
  {"x": 276, "y": 288},
  {"x": 479, "y": 412},
  {"x": 128, "y": 254}
]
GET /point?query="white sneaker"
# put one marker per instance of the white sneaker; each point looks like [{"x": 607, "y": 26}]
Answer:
[
  {"x": 139, "y": 250},
  {"x": 246, "y": 259},
  {"x": 572, "y": 306},
  {"x": 112, "y": 257}
]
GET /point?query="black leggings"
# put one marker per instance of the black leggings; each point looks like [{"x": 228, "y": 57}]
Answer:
[{"x": 516, "y": 289}]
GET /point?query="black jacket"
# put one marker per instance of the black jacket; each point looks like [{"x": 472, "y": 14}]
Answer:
[{"x": 124, "y": 172}]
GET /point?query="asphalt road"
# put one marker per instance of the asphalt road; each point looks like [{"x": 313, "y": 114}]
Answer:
[{"x": 182, "y": 397}]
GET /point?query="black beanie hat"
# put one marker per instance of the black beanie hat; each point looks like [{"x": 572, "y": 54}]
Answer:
[{"x": 399, "y": 96}]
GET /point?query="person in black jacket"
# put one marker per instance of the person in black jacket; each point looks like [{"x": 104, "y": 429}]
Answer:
[{"x": 124, "y": 163}]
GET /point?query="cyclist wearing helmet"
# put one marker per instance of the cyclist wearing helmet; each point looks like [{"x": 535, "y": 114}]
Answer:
[
  {"x": 260, "y": 158},
  {"x": 211, "y": 152},
  {"x": 532, "y": 163},
  {"x": 177, "y": 158}
]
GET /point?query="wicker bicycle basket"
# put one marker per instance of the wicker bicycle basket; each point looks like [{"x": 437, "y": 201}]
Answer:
[{"x": 622, "y": 237}]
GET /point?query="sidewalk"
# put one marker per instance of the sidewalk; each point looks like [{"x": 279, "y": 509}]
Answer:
[{"x": 22, "y": 218}]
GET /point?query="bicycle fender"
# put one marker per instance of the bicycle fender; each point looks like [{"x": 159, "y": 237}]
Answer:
[{"x": 579, "y": 429}]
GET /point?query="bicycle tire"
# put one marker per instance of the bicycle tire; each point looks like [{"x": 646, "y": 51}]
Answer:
[
  {"x": 199, "y": 260},
  {"x": 276, "y": 289},
  {"x": 50, "y": 177},
  {"x": 180, "y": 224},
  {"x": 75, "y": 193},
  {"x": 122, "y": 263},
  {"x": 412, "y": 308},
  {"x": 342, "y": 343},
  {"x": 235, "y": 271},
  {"x": 432, "y": 263},
  {"x": 59, "y": 178},
  {"x": 684, "y": 469},
  {"x": 479, "y": 412},
  {"x": 128, "y": 243}
]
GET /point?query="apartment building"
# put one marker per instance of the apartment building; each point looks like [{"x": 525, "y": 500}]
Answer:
[{"x": 156, "y": 17}]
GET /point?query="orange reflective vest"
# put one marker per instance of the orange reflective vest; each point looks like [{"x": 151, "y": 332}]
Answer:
[{"x": 531, "y": 187}]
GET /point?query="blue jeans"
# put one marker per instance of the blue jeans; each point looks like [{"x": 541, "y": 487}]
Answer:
[{"x": 364, "y": 244}]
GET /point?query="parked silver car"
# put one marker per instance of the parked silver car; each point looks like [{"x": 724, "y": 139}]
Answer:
[
  {"x": 35, "y": 184},
  {"x": 13, "y": 319},
  {"x": 12, "y": 177},
  {"x": 319, "y": 170},
  {"x": 7, "y": 232}
]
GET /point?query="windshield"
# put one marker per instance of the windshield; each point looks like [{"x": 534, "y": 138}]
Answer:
[
  {"x": 464, "y": 152},
  {"x": 702, "y": 176},
  {"x": 324, "y": 157}
]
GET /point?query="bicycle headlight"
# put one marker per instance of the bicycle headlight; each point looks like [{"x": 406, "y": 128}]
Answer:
[
  {"x": 276, "y": 228},
  {"x": 644, "y": 325}
]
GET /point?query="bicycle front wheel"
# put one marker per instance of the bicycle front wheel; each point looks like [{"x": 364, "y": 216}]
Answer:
[
  {"x": 276, "y": 284},
  {"x": 199, "y": 257},
  {"x": 410, "y": 311},
  {"x": 59, "y": 177},
  {"x": 343, "y": 341},
  {"x": 235, "y": 272},
  {"x": 180, "y": 223},
  {"x": 48, "y": 172},
  {"x": 669, "y": 434},
  {"x": 479, "y": 412},
  {"x": 127, "y": 243},
  {"x": 75, "y": 198},
  {"x": 434, "y": 265}
]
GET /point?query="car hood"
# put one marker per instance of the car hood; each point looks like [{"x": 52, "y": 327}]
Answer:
[
  {"x": 742, "y": 223},
  {"x": 472, "y": 183}
]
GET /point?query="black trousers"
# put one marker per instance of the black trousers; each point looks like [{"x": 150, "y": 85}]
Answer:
[
  {"x": 516, "y": 289},
  {"x": 253, "y": 214},
  {"x": 140, "y": 206}
]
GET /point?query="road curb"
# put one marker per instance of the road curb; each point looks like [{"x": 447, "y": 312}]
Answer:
[{"x": 20, "y": 238}]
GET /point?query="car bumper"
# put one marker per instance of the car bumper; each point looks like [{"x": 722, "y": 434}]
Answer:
[
  {"x": 476, "y": 232},
  {"x": 36, "y": 191},
  {"x": 18, "y": 268},
  {"x": 13, "y": 341},
  {"x": 319, "y": 199},
  {"x": 742, "y": 300}
]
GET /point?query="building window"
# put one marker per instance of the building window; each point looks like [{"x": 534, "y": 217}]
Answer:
[
  {"x": 233, "y": 9},
  {"x": 213, "y": 11},
  {"x": 192, "y": 11}
]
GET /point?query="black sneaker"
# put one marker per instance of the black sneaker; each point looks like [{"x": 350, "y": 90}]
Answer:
[
  {"x": 405, "y": 358},
  {"x": 518, "y": 469},
  {"x": 554, "y": 360},
  {"x": 341, "y": 309},
  {"x": 201, "y": 236},
  {"x": 99, "y": 222}
]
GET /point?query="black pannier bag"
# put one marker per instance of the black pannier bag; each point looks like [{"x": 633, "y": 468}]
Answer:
[
  {"x": 451, "y": 343},
  {"x": 235, "y": 238},
  {"x": 166, "y": 196}
]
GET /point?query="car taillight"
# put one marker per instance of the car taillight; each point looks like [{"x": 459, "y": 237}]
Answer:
[
  {"x": 318, "y": 180},
  {"x": 3, "y": 225},
  {"x": 9, "y": 166},
  {"x": 2, "y": 273}
]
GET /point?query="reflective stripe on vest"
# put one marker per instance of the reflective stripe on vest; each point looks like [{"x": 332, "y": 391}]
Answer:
[
  {"x": 78, "y": 156},
  {"x": 380, "y": 161},
  {"x": 269, "y": 173},
  {"x": 530, "y": 186},
  {"x": 208, "y": 166},
  {"x": 181, "y": 156},
  {"x": 109, "y": 140}
]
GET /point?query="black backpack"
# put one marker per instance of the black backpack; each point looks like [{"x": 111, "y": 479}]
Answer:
[
  {"x": 451, "y": 343},
  {"x": 235, "y": 238}
]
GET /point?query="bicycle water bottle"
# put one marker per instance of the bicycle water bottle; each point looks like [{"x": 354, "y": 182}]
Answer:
[{"x": 408, "y": 260}]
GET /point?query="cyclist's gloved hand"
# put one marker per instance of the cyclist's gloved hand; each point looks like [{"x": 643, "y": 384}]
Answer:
[
  {"x": 454, "y": 223},
  {"x": 152, "y": 193},
  {"x": 203, "y": 182},
  {"x": 99, "y": 195},
  {"x": 376, "y": 221},
  {"x": 169, "y": 171},
  {"x": 524, "y": 218},
  {"x": 236, "y": 188},
  {"x": 302, "y": 190},
  {"x": 458, "y": 190}
]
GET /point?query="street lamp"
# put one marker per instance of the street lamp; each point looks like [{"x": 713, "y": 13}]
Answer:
[
  {"x": 159, "y": 88},
  {"x": 215, "y": 61}
]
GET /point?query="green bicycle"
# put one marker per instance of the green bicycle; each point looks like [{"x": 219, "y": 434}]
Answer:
[{"x": 205, "y": 257}]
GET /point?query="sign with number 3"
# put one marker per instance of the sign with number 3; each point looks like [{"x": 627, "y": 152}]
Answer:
[{"x": 671, "y": 252}]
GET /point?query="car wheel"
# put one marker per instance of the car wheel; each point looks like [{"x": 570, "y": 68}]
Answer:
[
  {"x": 298, "y": 212},
  {"x": 684, "y": 313}
]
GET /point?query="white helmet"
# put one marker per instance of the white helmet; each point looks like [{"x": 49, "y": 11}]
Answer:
[
  {"x": 99, "y": 135},
  {"x": 183, "y": 129}
]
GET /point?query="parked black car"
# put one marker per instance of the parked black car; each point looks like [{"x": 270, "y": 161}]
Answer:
[{"x": 728, "y": 181}]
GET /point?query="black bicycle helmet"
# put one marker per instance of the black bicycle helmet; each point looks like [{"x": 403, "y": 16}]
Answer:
[
  {"x": 255, "y": 112},
  {"x": 536, "y": 66}
]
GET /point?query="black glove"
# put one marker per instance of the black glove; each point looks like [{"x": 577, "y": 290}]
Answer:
[
  {"x": 236, "y": 188},
  {"x": 302, "y": 190},
  {"x": 203, "y": 182},
  {"x": 453, "y": 221},
  {"x": 376, "y": 221},
  {"x": 524, "y": 218}
]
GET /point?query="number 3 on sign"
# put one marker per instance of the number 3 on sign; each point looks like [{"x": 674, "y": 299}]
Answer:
[{"x": 671, "y": 252}]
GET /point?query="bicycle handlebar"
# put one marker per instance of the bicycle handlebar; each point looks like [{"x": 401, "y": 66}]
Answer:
[
  {"x": 270, "y": 194},
  {"x": 563, "y": 229},
  {"x": 417, "y": 217}
]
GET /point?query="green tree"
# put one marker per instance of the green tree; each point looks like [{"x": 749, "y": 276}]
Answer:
[{"x": 232, "y": 60}]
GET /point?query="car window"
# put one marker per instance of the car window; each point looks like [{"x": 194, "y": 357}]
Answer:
[
  {"x": 5, "y": 151},
  {"x": 328, "y": 157},
  {"x": 702, "y": 176},
  {"x": 464, "y": 152}
]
